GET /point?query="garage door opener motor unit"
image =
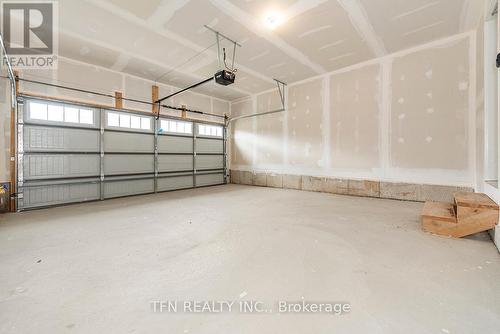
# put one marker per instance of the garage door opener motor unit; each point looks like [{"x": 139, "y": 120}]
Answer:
[{"x": 225, "y": 76}]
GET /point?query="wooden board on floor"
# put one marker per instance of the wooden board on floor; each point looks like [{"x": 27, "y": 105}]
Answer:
[
  {"x": 482, "y": 221},
  {"x": 438, "y": 227},
  {"x": 439, "y": 211},
  {"x": 440, "y": 218},
  {"x": 475, "y": 200},
  {"x": 476, "y": 207}
]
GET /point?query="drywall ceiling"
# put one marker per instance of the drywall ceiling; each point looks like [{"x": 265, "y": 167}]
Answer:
[{"x": 154, "y": 39}]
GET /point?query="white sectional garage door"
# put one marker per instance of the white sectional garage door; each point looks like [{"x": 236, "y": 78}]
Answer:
[{"x": 75, "y": 153}]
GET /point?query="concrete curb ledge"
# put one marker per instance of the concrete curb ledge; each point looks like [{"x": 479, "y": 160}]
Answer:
[{"x": 364, "y": 188}]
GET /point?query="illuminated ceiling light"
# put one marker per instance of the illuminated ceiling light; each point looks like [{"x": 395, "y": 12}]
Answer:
[{"x": 273, "y": 19}]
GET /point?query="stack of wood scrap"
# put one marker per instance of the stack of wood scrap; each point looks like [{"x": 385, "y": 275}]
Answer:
[{"x": 469, "y": 214}]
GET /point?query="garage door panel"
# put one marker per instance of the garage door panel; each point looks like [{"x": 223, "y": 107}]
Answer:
[
  {"x": 128, "y": 142},
  {"x": 171, "y": 144},
  {"x": 176, "y": 182},
  {"x": 209, "y": 179},
  {"x": 54, "y": 139},
  {"x": 120, "y": 164},
  {"x": 44, "y": 166},
  {"x": 209, "y": 162},
  {"x": 69, "y": 156},
  {"x": 205, "y": 145},
  {"x": 45, "y": 195},
  {"x": 171, "y": 163},
  {"x": 128, "y": 187}
]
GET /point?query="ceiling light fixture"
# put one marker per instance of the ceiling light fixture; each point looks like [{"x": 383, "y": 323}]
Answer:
[{"x": 273, "y": 19}]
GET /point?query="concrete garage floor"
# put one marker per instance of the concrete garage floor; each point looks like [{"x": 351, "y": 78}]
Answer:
[{"x": 95, "y": 267}]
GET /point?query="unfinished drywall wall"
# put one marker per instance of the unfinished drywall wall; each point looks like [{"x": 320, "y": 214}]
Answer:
[
  {"x": 305, "y": 126},
  {"x": 406, "y": 117},
  {"x": 355, "y": 110},
  {"x": 242, "y": 132},
  {"x": 429, "y": 114},
  {"x": 269, "y": 131},
  {"x": 220, "y": 107}
]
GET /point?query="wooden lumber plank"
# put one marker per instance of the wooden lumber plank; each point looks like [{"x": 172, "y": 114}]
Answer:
[
  {"x": 480, "y": 222},
  {"x": 456, "y": 230},
  {"x": 464, "y": 212},
  {"x": 472, "y": 213},
  {"x": 470, "y": 205},
  {"x": 118, "y": 100},
  {"x": 184, "y": 112},
  {"x": 438, "y": 227},
  {"x": 433, "y": 222},
  {"x": 439, "y": 211},
  {"x": 154, "y": 98},
  {"x": 475, "y": 200}
]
